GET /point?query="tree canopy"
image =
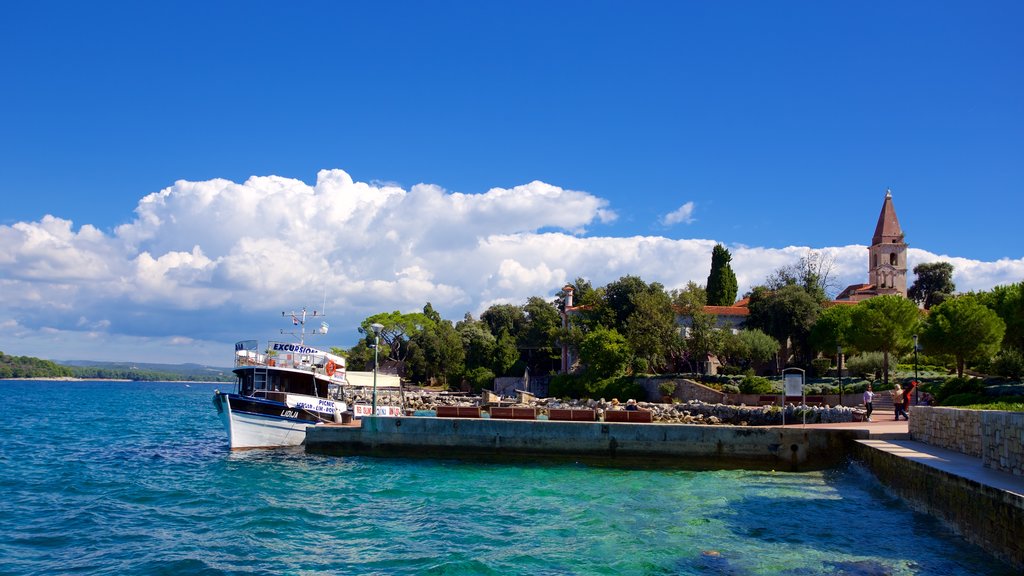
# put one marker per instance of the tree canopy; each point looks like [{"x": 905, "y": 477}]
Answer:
[
  {"x": 884, "y": 324},
  {"x": 964, "y": 327},
  {"x": 934, "y": 284},
  {"x": 722, "y": 286}
]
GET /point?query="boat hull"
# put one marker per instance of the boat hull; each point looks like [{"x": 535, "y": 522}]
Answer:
[{"x": 258, "y": 423}]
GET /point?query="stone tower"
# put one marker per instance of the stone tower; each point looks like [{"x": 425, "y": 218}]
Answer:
[{"x": 887, "y": 255}]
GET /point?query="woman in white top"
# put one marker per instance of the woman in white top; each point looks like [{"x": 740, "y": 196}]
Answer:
[{"x": 868, "y": 397}]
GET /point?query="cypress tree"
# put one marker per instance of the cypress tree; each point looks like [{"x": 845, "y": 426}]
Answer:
[{"x": 722, "y": 286}]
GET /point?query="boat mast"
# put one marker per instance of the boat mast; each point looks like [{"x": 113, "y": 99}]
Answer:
[{"x": 299, "y": 319}]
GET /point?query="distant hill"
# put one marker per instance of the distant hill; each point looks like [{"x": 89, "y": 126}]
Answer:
[{"x": 148, "y": 371}]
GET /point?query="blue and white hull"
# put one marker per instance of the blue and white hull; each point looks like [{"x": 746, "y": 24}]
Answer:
[{"x": 253, "y": 422}]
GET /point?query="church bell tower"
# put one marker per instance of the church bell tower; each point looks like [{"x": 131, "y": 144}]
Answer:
[{"x": 887, "y": 255}]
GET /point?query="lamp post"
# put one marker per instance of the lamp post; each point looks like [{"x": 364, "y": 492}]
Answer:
[
  {"x": 376, "y": 344},
  {"x": 839, "y": 371},
  {"x": 916, "y": 393}
]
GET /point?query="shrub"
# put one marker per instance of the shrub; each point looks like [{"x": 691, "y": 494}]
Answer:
[
  {"x": 667, "y": 388},
  {"x": 959, "y": 386},
  {"x": 621, "y": 387},
  {"x": 867, "y": 365},
  {"x": 821, "y": 366},
  {"x": 964, "y": 399},
  {"x": 480, "y": 378},
  {"x": 571, "y": 386},
  {"x": 1009, "y": 363},
  {"x": 730, "y": 389},
  {"x": 756, "y": 385}
]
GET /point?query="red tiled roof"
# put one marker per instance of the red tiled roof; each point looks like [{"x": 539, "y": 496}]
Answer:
[{"x": 727, "y": 310}]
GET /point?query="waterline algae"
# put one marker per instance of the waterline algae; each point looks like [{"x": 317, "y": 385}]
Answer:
[{"x": 113, "y": 477}]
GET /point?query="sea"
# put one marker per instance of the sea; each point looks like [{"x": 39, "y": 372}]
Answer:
[{"x": 136, "y": 478}]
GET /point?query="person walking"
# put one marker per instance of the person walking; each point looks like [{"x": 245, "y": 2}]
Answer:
[
  {"x": 869, "y": 396},
  {"x": 897, "y": 402},
  {"x": 907, "y": 392}
]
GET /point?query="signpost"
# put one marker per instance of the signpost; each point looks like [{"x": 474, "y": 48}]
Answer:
[{"x": 793, "y": 385}]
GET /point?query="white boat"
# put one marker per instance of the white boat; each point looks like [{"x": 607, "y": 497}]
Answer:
[{"x": 281, "y": 390}]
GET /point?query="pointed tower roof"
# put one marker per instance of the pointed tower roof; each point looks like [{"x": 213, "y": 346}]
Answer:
[{"x": 888, "y": 229}]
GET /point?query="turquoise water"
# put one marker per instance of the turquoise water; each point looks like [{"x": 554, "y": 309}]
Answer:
[{"x": 114, "y": 478}]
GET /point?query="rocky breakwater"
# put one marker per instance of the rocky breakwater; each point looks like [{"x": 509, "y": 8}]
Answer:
[{"x": 692, "y": 412}]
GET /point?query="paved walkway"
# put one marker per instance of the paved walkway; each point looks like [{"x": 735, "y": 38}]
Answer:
[{"x": 894, "y": 437}]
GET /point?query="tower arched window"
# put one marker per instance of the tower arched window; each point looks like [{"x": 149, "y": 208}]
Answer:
[{"x": 893, "y": 258}]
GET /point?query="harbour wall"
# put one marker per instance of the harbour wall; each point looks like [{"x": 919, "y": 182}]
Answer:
[
  {"x": 789, "y": 448},
  {"x": 997, "y": 437},
  {"x": 989, "y": 517}
]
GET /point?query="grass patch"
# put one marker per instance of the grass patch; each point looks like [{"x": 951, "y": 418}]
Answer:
[{"x": 1005, "y": 406}]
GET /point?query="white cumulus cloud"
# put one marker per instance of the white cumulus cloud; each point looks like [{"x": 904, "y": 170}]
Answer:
[
  {"x": 682, "y": 214},
  {"x": 206, "y": 263}
]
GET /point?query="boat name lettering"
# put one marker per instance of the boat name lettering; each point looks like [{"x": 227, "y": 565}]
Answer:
[
  {"x": 322, "y": 406},
  {"x": 289, "y": 413},
  {"x": 294, "y": 348}
]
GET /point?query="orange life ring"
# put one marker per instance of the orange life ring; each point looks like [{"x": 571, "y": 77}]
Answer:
[{"x": 330, "y": 368}]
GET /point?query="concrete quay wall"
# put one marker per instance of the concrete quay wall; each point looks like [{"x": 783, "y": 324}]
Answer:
[
  {"x": 789, "y": 448},
  {"x": 989, "y": 517},
  {"x": 997, "y": 437}
]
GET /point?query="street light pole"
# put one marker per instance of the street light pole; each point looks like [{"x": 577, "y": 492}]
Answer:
[
  {"x": 839, "y": 371},
  {"x": 376, "y": 344},
  {"x": 916, "y": 383}
]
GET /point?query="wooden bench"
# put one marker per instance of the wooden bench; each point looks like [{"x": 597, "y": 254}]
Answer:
[
  {"x": 572, "y": 414},
  {"x": 629, "y": 416},
  {"x": 811, "y": 400},
  {"x": 458, "y": 411},
  {"x": 513, "y": 413}
]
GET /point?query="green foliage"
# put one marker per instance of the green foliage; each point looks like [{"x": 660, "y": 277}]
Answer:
[
  {"x": 477, "y": 341},
  {"x": 965, "y": 328},
  {"x": 1008, "y": 303},
  {"x": 722, "y": 285},
  {"x": 731, "y": 389},
  {"x": 756, "y": 385},
  {"x": 650, "y": 329},
  {"x": 702, "y": 338},
  {"x": 30, "y": 367},
  {"x": 867, "y": 365},
  {"x": 689, "y": 299},
  {"x": 811, "y": 274},
  {"x": 934, "y": 284},
  {"x": 1013, "y": 404},
  {"x": 748, "y": 347},
  {"x": 667, "y": 388},
  {"x": 1009, "y": 363},
  {"x": 956, "y": 389},
  {"x": 821, "y": 366},
  {"x": 604, "y": 353},
  {"x": 884, "y": 324},
  {"x": 505, "y": 353},
  {"x": 398, "y": 330},
  {"x": 963, "y": 399},
  {"x": 622, "y": 387},
  {"x": 786, "y": 314},
  {"x": 479, "y": 378},
  {"x": 832, "y": 328}
]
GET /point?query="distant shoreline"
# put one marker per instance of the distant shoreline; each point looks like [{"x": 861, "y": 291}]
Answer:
[{"x": 74, "y": 379}]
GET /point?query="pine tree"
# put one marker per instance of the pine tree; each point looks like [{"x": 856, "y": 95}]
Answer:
[{"x": 722, "y": 286}]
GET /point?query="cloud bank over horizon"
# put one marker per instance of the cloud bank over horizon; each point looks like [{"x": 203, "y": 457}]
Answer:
[{"x": 206, "y": 263}]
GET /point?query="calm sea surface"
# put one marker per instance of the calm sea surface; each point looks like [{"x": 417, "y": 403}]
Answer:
[{"x": 135, "y": 478}]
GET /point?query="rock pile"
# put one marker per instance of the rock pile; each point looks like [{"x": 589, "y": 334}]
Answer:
[{"x": 692, "y": 412}]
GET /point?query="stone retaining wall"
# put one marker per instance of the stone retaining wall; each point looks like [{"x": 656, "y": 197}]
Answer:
[
  {"x": 996, "y": 437},
  {"x": 989, "y": 517},
  {"x": 789, "y": 449}
]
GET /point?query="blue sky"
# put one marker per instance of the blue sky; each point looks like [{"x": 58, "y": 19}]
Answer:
[{"x": 497, "y": 149}]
